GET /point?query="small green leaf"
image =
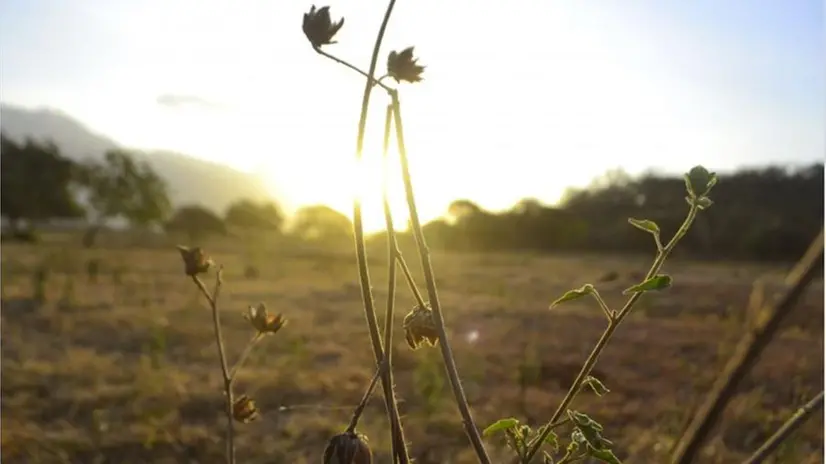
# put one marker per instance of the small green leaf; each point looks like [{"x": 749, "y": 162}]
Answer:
[
  {"x": 577, "y": 439},
  {"x": 598, "y": 387},
  {"x": 699, "y": 181},
  {"x": 604, "y": 455},
  {"x": 586, "y": 289},
  {"x": 552, "y": 439},
  {"x": 658, "y": 282},
  {"x": 704, "y": 202},
  {"x": 583, "y": 420},
  {"x": 500, "y": 425},
  {"x": 646, "y": 225},
  {"x": 712, "y": 182}
]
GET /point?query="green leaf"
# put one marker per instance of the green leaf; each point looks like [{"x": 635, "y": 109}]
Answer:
[
  {"x": 712, "y": 182},
  {"x": 658, "y": 282},
  {"x": 500, "y": 425},
  {"x": 598, "y": 387},
  {"x": 646, "y": 225},
  {"x": 583, "y": 420},
  {"x": 704, "y": 203},
  {"x": 604, "y": 455},
  {"x": 699, "y": 181},
  {"x": 586, "y": 289},
  {"x": 552, "y": 439},
  {"x": 588, "y": 430}
]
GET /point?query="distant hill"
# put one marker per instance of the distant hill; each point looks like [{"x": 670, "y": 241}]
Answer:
[{"x": 190, "y": 180}]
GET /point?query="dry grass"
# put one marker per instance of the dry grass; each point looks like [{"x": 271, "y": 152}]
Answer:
[{"x": 123, "y": 369}]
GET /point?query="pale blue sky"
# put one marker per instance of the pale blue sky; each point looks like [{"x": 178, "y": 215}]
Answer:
[{"x": 521, "y": 98}]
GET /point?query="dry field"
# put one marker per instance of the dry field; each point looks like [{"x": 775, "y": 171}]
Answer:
[{"x": 121, "y": 368}]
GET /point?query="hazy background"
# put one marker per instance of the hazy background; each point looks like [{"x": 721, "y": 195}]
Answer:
[{"x": 520, "y": 99}]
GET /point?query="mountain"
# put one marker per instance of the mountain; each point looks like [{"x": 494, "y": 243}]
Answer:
[{"x": 190, "y": 180}]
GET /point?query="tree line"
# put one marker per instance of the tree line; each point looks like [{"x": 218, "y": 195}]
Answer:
[
  {"x": 767, "y": 213},
  {"x": 40, "y": 185},
  {"x": 760, "y": 213}
]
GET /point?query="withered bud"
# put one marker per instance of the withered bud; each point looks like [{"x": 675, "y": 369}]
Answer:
[
  {"x": 263, "y": 321},
  {"x": 244, "y": 409},
  {"x": 195, "y": 260},
  {"x": 319, "y": 28},
  {"x": 419, "y": 327},
  {"x": 401, "y": 66},
  {"x": 348, "y": 448}
]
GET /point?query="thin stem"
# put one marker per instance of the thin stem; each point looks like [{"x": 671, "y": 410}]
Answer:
[
  {"x": 241, "y": 359},
  {"x": 603, "y": 305},
  {"x": 613, "y": 324},
  {"x": 399, "y": 446},
  {"x": 433, "y": 296},
  {"x": 361, "y": 252},
  {"x": 353, "y": 67},
  {"x": 411, "y": 283},
  {"x": 363, "y": 403},
  {"x": 219, "y": 341},
  {"x": 749, "y": 348},
  {"x": 785, "y": 430}
]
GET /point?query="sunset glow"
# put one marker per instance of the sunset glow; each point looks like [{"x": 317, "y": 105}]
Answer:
[{"x": 499, "y": 117}]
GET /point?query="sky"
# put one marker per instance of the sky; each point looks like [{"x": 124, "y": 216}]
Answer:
[{"x": 520, "y": 98}]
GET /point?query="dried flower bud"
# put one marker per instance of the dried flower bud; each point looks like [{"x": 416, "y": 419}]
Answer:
[
  {"x": 402, "y": 66},
  {"x": 195, "y": 260},
  {"x": 244, "y": 410},
  {"x": 263, "y": 321},
  {"x": 319, "y": 28},
  {"x": 348, "y": 448},
  {"x": 419, "y": 327}
]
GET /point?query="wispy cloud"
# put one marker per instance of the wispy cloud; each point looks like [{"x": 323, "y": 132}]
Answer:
[{"x": 173, "y": 100}]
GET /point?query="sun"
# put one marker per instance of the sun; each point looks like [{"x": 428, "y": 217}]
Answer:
[{"x": 369, "y": 188}]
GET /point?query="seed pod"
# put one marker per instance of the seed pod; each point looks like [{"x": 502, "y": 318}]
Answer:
[
  {"x": 419, "y": 327},
  {"x": 319, "y": 27},
  {"x": 195, "y": 260},
  {"x": 263, "y": 321},
  {"x": 401, "y": 66},
  {"x": 244, "y": 409},
  {"x": 348, "y": 448}
]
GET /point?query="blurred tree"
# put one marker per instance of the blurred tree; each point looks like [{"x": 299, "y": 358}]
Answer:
[
  {"x": 247, "y": 214},
  {"x": 322, "y": 224},
  {"x": 119, "y": 187},
  {"x": 35, "y": 184},
  {"x": 196, "y": 222},
  {"x": 766, "y": 213}
]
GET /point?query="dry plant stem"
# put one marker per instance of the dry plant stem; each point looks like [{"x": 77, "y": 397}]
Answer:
[
  {"x": 352, "y": 67},
  {"x": 241, "y": 359},
  {"x": 219, "y": 341},
  {"x": 361, "y": 253},
  {"x": 785, "y": 430},
  {"x": 433, "y": 296},
  {"x": 410, "y": 282},
  {"x": 613, "y": 323},
  {"x": 769, "y": 318},
  {"x": 354, "y": 421},
  {"x": 392, "y": 250}
]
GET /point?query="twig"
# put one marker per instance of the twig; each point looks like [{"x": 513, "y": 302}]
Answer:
[
  {"x": 219, "y": 341},
  {"x": 243, "y": 357},
  {"x": 748, "y": 350},
  {"x": 411, "y": 283},
  {"x": 424, "y": 255},
  {"x": 613, "y": 324},
  {"x": 347, "y": 64},
  {"x": 366, "y": 398},
  {"x": 361, "y": 253},
  {"x": 785, "y": 430}
]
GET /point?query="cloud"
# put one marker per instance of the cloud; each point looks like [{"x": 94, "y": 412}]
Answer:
[{"x": 172, "y": 100}]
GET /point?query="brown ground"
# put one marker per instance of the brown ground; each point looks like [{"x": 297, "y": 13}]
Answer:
[{"x": 124, "y": 369}]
